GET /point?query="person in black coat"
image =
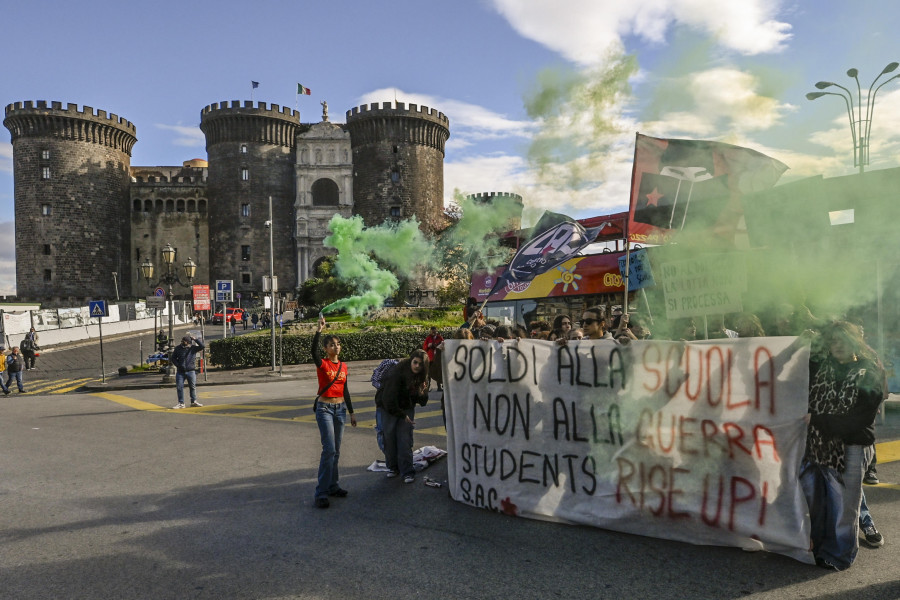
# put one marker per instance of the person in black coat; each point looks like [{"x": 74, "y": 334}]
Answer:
[{"x": 406, "y": 385}]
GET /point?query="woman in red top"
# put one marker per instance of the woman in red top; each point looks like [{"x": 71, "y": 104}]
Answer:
[{"x": 332, "y": 405}]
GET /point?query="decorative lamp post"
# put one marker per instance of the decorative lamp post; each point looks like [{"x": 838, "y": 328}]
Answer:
[
  {"x": 170, "y": 277},
  {"x": 861, "y": 123}
]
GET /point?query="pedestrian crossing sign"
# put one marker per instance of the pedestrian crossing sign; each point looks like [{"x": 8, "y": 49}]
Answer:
[{"x": 98, "y": 308}]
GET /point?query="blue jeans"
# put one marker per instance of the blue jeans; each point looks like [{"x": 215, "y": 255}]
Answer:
[
  {"x": 17, "y": 375},
  {"x": 191, "y": 378},
  {"x": 398, "y": 442},
  {"x": 834, "y": 501},
  {"x": 865, "y": 517},
  {"x": 330, "y": 418},
  {"x": 379, "y": 427}
]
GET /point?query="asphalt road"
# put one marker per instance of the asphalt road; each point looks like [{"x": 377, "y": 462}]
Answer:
[{"x": 114, "y": 495}]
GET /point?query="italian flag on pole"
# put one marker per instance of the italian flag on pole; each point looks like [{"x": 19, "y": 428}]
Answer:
[{"x": 303, "y": 90}]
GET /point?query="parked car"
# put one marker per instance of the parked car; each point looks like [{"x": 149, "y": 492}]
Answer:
[{"x": 234, "y": 314}]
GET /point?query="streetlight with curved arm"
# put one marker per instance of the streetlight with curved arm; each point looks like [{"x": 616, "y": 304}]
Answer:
[
  {"x": 861, "y": 127},
  {"x": 170, "y": 277}
]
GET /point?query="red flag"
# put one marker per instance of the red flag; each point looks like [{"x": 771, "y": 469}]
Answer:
[{"x": 692, "y": 184}]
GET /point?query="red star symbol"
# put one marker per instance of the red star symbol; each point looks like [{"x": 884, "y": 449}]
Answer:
[
  {"x": 507, "y": 507},
  {"x": 653, "y": 197}
]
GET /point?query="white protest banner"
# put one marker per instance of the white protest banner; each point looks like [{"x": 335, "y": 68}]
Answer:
[
  {"x": 704, "y": 285},
  {"x": 699, "y": 442}
]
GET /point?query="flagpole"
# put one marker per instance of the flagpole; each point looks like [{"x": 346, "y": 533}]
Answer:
[{"x": 628, "y": 226}]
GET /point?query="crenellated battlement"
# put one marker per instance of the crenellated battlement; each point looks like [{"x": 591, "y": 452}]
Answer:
[
  {"x": 398, "y": 109},
  {"x": 246, "y": 107},
  {"x": 34, "y": 118},
  {"x": 487, "y": 197},
  {"x": 71, "y": 110},
  {"x": 395, "y": 123},
  {"x": 225, "y": 122}
]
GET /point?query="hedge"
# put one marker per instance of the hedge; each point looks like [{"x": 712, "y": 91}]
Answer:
[{"x": 256, "y": 351}]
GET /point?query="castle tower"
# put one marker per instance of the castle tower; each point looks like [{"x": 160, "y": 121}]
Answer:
[
  {"x": 71, "y": 177},
  {"x": 251, "y": 157},
  {"x": 515, "y": 220},
  {"x": 398, "y": 160}
]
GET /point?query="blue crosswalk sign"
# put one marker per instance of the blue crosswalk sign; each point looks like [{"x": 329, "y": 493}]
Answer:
[{"x": 98, "y": 308}]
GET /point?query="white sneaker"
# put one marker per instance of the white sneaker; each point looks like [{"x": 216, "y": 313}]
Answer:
[
  {"x": 392, "y": 474},
  {"x": 177, "y": 406},
  {"x": 409, "y": 479},
  {"x": 197, "y": 404}
]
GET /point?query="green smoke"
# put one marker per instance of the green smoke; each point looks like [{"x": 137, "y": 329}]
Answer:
[
  {"x": 577, "y": 113},
  {"x": 363, "y": 254},
  {"x": 472, "y": 239}
]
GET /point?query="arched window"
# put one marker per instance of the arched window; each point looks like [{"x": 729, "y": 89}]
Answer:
[
  {"x": 201, "y": 206},
  {"x": 179, "y": 206},
  {"x": 191, "y": 206},
  {"x": 137, "y": 206},
  {"x": 148, "y": 205},
  {"x": 170, "y": 206},
  {"x": 159, "y": 205},
  {"x": 325, "y": 193}
]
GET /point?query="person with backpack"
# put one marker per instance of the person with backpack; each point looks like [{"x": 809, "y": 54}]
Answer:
[
  {"x": 378, "y": 377},
  {"x": 14, "y": 368},
  {"x": 331, "y": 407},
  {"x": 29, "y": 348},
  {"x": 405, "y": 386}
]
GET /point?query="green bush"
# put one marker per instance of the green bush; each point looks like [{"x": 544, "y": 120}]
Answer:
[{"x": 256, "y": 351}]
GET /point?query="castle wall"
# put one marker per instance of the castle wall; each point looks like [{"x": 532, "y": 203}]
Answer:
[
  {"x": 71, "y": 174},
  {"x": 168, "y": 212}
]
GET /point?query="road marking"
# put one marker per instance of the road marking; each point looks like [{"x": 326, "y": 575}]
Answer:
[
  {"x": 129, "y": 402},
  {"x": 44, "y": 386},
  {"x": 226, "y": 394},
  {"x": 888, "y": 452}
]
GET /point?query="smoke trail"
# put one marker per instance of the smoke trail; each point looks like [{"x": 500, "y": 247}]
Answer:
[
  {"x": 472, "y": 233},
  {"x": 402, "y": 246},
  {"x": 579, "y": 114}
]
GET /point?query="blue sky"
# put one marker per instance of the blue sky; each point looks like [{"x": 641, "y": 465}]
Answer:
[{"x": 722, "y": 70}]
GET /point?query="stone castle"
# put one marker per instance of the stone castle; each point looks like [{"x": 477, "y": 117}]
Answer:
[{"x": 86, "y": 219}]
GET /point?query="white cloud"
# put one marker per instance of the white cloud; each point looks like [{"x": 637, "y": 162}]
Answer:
[
  {"x": 187, "y": 136},
  {"x": 7, "y": 258},
  {"x": 722, "y": 100},
  {"x": 584, "y": 30},
  {"x": 6, "y": 157},
  {"x": 469, "y": 123}
]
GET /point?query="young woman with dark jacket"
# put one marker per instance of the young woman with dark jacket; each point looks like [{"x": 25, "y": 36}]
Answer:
[
  {"x": 845, "y": 390},
  {"x": 406, "y": 385}
]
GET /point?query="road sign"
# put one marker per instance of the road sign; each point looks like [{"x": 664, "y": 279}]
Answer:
[
  {"x": 98, "y": 308},
  {"x": 224, "y": 290},
  {"x": 156, "y": 302},
  {"x": 159, "y": 292}
]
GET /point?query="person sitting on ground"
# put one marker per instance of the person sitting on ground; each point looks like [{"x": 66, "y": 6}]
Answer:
[{"x": 405, "y": 386}]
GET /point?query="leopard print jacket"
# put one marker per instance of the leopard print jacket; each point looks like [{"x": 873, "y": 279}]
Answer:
[{"x": 829, "y": 394}]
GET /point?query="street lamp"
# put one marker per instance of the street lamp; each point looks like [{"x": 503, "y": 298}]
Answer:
[
  {"x": 170, "y": 277},
  {"x": 861, "y": 127}
]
